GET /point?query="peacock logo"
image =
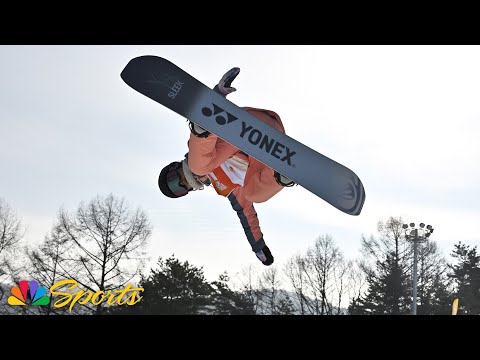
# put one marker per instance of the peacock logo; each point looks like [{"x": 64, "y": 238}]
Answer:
[{"x": 28, "y": 290}]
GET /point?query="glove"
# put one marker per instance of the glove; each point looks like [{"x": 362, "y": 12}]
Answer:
[
  {"x": 224, "y": 85},
  {"x": 265, "y": 256}
]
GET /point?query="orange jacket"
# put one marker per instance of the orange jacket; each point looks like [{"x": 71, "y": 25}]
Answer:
[{"x": 207, "y": 154}]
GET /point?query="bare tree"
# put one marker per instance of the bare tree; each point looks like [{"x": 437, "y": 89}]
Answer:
[
  {"x": 249, "y": 286},
  {"x": 109, "y": 243},
  {"x": 49, "y": 262},
  {"x": 357, "y": 280},
  {"x": 295, "y": 272},
  {"x": 391, "y": 241},
  {"x": 11, "y": 229},
  {"x": 11, "y": 273},
  {"x": 321, "y": 261},
  {"x": 270, "y": 283},
  {"x": 341, "y": 275},
  {"x": 11, "y": 232},
  {"x": 320, "y": 279}
]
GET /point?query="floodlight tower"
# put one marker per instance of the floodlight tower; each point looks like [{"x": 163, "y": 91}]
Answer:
[{"x": 416, "y": 235}]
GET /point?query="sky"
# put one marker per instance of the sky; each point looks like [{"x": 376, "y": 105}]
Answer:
[{"x": 405, "y": 119}]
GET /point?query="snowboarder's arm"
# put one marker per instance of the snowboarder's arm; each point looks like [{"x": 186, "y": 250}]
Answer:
[
  {"x": 205, "y": 154},
  {"x": 224, "y": 87},
  {"x": 249, "y": 220}
]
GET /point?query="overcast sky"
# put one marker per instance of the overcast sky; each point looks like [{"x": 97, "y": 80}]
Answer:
[{"x": 405, "y": 119}]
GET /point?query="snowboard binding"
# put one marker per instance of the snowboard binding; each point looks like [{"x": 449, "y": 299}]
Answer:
[{"x": 283, "y": 180}]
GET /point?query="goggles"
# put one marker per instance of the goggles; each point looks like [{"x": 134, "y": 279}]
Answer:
[{"x": 173, "y": 182}]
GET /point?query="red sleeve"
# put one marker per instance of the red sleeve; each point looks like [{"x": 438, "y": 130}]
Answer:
[
  {"x": 205, "y": 154},
  {"x": 248, "y": 218}
]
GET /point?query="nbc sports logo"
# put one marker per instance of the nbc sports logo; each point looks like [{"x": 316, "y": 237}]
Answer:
[{"x": 28, "y": 290}]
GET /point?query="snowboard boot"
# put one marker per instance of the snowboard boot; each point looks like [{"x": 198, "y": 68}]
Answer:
[{"x": 198, "y": 131}]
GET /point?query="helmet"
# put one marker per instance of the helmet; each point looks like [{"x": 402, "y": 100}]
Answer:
[{"x": 169, "y": 181}]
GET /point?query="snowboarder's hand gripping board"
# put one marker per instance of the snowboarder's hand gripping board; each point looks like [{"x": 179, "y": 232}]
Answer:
[{"x": 167, "y": 84}]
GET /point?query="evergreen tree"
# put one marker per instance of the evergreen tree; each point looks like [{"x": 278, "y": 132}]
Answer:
[
  {"x": 228, "y": 302},
  {"x": 436, "y": 299},
  {"x": 285, "y": 305},
  {"x": 177, "y": 288},
  {"x": 390, "y": 278},
  {"x": 387, "y": 293},
  {"x": 174, "y": 288},
  {"x": 386, "y": 265},
  {"x": 466, "y": 275},
  {"x": 433, "y": 285}
]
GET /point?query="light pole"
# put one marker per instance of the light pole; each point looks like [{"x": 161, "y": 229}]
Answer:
[{"x": 416, "y": 235}]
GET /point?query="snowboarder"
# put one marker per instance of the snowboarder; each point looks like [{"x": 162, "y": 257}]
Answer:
[{"x": 232, "y": 173}]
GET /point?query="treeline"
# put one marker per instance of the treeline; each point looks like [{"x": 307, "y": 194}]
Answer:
[{"x": 101, "y": 248}]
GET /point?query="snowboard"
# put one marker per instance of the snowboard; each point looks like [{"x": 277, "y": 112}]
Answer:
[{"x": 169, "y": 85}]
